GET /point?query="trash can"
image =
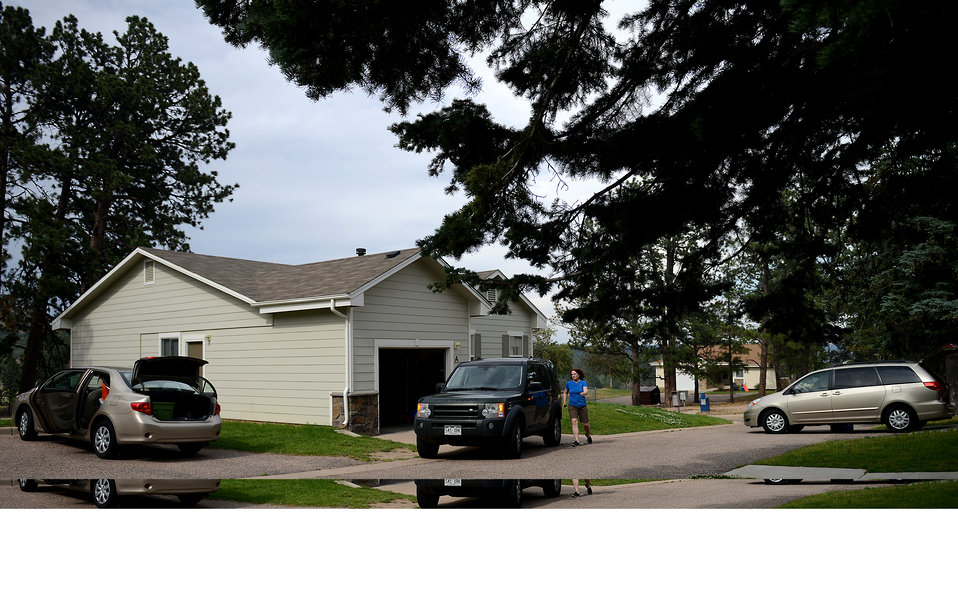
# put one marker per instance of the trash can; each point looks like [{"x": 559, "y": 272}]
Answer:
[{"x": 704, "y": 402}]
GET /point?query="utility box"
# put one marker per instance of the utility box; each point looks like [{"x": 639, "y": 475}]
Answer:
[{"x": 704, "y": 402}]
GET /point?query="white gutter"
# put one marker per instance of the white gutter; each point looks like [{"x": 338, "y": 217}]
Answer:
[{"x": 348, "y": 364}]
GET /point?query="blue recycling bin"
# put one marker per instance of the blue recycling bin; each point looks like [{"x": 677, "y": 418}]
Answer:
[{"x": 704, "y": 402}]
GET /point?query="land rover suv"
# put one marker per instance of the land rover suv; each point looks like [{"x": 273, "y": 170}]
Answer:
[{"x": 491, "y": 402}]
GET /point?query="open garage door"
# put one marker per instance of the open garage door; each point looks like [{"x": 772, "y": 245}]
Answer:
[{"x": 405, "y": 375}]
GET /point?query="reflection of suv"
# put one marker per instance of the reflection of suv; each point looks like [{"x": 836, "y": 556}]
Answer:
[
  {"x": 902, "y": 395},
  {"x": 492, "y": 402},
  {"x": 508, "y": 491}
]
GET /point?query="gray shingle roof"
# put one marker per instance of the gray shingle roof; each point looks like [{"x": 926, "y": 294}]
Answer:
[{"x": 265, "y": 282}]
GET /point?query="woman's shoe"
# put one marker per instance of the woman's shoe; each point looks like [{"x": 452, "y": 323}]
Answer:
[{"x": 576, "y": 494}]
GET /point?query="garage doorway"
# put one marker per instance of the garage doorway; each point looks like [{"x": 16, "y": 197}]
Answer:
[{"x": 405, "y": 375}]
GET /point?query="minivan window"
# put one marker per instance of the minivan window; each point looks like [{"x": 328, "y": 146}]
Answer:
[
  {"x": 850, "y": 378},
  {"x": 897, "y": 375},
  {"x": 812, "y": 383}
]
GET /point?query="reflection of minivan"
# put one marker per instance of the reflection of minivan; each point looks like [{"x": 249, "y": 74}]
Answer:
[
  {"x": 161, "y": 400},
  {"x": 492, "y": 402},
  {"x": 902, "y": 395}
]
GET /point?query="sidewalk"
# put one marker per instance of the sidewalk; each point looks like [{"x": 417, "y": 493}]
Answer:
[{"x": 805, "y": 473}]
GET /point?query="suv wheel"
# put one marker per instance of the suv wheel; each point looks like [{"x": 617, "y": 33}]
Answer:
[
  {"x": 900, "y": 419},
  {"x": 554, "y": 436},
  {"x": 27, "y": 484},
  {"x": 513, "y": 494},
  {"x": 25, "y": 426},
  {"x": 512, "y": 446},
  {"x": 552, "y": 488},
  {"x": 426, "y": 499},
  {"x": 426, "y": 448},
  {"x": 774, "y": 421}
]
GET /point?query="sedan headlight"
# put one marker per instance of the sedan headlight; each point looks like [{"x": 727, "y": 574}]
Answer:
[
  {"x": 494, "y": 410},
  {"x": 422, "y": 410}
]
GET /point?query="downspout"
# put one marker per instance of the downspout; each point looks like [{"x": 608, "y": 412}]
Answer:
[{"x": 348, "y": 363}]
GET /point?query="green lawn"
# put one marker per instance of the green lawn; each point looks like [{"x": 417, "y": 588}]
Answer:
[
  {"x": 928, "y": 450},
  {"x": 935, "y": 494},
  {"x": 311, "y": 493},
  {"x": 6, "y": 421},
  {"x": 300, "y": 440},
  {"x": 610, "y": 418}
]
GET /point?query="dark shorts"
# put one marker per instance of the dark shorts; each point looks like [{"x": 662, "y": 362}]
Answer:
[{"x": 581, "y": 414}]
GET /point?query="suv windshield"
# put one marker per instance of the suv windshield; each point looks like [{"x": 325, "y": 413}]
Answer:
[{"x": 486, "y": 377}]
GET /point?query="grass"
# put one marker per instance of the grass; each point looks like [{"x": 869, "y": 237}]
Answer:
[
  {"x": 926, "y": 451},
  {"x": 936, "y": 494},
  {"x": 609, "y": 419},
  {"x": 310, "y": 493},
  {"x": 300, "y": 440},
  {"x": 6, "y": 421}
]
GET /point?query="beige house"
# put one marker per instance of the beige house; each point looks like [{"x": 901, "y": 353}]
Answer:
[
  {"x": 350, "y": 342},
  {"x": 745, "y": 372}
]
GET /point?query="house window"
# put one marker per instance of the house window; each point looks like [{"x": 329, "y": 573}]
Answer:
[
  {"x": 492, "y": 295},
  {"x": 169, "y": 346},
  {"x": 149, "y": 272},
  {"x": 515, "y": 346},
  {"x": 740, "y": 373}
]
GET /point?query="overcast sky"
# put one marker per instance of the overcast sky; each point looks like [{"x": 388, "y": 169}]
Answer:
[{"x": 317, "y": 179}]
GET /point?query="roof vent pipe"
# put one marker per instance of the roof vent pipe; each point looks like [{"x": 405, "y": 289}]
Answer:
[{"x": 360, "y": 251}]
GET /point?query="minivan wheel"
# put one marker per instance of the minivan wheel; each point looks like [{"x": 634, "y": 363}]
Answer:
[
  {"x": 104, "y": 493},
  {"x": 900, "y": 419},
  {"x": 774, "y": 421},
  {"x": 426, "y": 448},
  {"x": 25, "y": 426},
  {"x": 104, "y": 440}
]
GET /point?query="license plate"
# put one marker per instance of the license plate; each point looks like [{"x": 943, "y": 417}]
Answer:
[
  {"x": 452, "y": 429},
  {"x": 452, "y": 482}
]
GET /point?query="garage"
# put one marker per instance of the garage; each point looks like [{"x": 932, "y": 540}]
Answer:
[{"x": 405, "y": 375}]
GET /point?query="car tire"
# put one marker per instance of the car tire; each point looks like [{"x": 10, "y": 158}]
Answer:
[
  {"x": 104, "y": 493},
  {"x": 27, "y": 484},
  {"x": 554, "y": 436},
  {"x": 190, "y": 499},
  {"x": 774, "y": 421},
  {"x": 842, "y": 428},
  {"x": 26, "y": 427},
  {"x": 512, "y": 446},
  {"x": 427, "y": 448},
  {"x": 795, "y": 428},
  {"x": 513, "y": 494},
  {"x": 104, "y": 440},
  {"x": 190, "y": 449},
  {"x": 425, "y": 499},
  {"x": 900, "y": 419},
  {"x": 782, "y": 481},
  {"x": 552, "y": 488}
]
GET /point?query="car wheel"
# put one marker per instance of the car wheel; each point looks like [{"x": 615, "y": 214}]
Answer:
[
  {"x": 104, "y": 493},
  {"x": 426, "y": 448},
  {"x": 554, "y": 436},
  {"x": 900, "y": 419},
  {"x": 782, "y": 481},
  {"x": 774, "y": 421},
  {"x": 190, "y": 449},
  {"x": 842, "y": 428},
  {"x": 104, "y": 440},
  {"x": 25, "y": 424},
  {"x": 426, "y": 499},
  {"x": 795, "y": 428},
  {"x": 191, "y": 499},
  {"x": 27, "y": 484},
  {"x": 552, "y": 488},
  {"x": 513, "y": 494},
  {"x": 512, "y": 446}
]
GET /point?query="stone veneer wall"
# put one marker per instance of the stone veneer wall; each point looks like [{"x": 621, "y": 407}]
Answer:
[{"x": 363, "y": 412}]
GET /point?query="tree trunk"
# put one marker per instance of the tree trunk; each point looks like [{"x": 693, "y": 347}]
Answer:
[{"x": 763, "y": 368}]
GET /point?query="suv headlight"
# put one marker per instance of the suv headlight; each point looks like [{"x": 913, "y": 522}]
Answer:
[
  {"x": 422, "y": 410},
  {"x": 494, "y": 410}
]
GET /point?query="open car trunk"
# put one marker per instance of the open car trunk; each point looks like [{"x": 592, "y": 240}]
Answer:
[{"x": 180, "y": 404}]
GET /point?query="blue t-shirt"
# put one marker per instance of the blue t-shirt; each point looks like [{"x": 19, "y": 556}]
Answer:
[{"x": 576, "y": 398}]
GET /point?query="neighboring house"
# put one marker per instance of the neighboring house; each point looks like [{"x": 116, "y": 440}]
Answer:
[
  {"x": 745, "y": 371},
  {"x": 353, "y": 341}
]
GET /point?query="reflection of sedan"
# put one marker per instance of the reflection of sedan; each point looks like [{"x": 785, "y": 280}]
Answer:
[
  {"x": 508, "y": 491},
  {"x": 902, "y": 395},
  {"x": 161, "y": 400},
  {"x": 106, "y": 492}
]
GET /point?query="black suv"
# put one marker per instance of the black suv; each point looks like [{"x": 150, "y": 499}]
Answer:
[
  {"x": 492, "y": 402},
  {"x": 506, "y": 491}
]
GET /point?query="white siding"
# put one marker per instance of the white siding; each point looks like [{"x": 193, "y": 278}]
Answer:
[
  {"x": 274, "y": 368},
  {"x": 402, "y": 308},
  {"x": 492, "y": 327}
]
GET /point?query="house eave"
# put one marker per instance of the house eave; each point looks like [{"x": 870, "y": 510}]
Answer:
[{"x": 290, "y": 305}]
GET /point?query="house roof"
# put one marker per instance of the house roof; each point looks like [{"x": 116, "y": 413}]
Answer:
[
  {"x": 751, "y": 357},
  {"x": 275, "y": 287}
]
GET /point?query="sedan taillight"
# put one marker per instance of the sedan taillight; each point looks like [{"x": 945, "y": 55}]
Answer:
[
  {"x": 216, "y": 410},
  {"x": 934, "y": 386},
  {"x": 144, "y": 407}
]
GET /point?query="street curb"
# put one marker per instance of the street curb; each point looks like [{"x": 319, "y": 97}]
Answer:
[{"x": 807, "y": 473}]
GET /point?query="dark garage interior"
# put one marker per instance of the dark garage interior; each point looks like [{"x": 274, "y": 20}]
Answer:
[{"x": 405, "y": 375}]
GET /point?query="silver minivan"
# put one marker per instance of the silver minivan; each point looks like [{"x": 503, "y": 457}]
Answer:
[{"x": 903, "y": 395}]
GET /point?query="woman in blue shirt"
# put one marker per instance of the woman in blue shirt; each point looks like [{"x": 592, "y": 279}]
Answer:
[{"x": 574, "y": 396}]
